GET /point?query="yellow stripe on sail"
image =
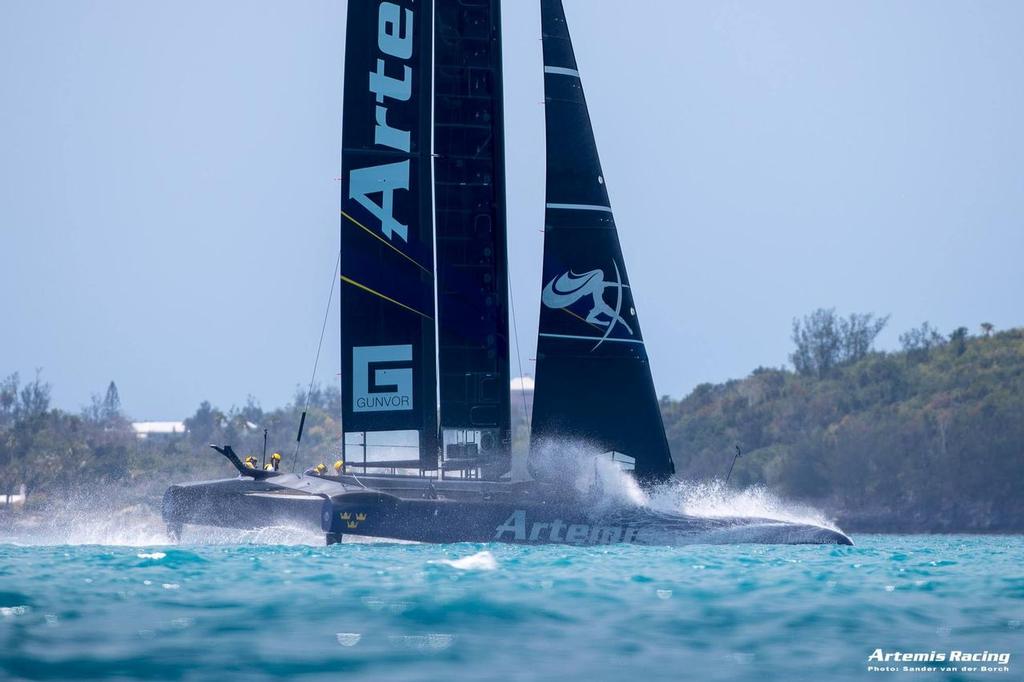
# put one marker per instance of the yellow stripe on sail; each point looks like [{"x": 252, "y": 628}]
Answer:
[
  {"x": 380, "y": 295},
  {"x": 384, "y": 241},
  {"x": 582, "y": 319}
]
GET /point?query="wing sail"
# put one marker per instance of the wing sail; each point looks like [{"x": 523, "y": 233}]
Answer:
[{"x": 387, "y": 260}]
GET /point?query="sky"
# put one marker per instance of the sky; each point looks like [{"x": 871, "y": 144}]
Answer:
[{"x": 169, "y": 203}]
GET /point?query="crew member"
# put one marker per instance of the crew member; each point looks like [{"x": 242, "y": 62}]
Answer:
[
  {"x": 338, "y": 466},
  {"x": 250, "y": 462},
  {"x": 275, "y": 461}
]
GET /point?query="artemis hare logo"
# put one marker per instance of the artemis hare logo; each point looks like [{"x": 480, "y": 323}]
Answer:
[{"x": 568, "y": 288}]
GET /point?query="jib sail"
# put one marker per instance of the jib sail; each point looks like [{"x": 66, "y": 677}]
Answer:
[
  {"x": 593, "y": 381},
  {"x": 472, "y": 292},
  {"x": 387, "y": 294}
]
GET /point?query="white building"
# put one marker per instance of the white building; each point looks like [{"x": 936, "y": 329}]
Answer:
[
  {"x": 16, "y": 500},
  {"x": 147, "y": 429}
]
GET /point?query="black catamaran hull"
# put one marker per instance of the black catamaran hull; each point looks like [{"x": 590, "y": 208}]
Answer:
[
  {"x": 242, "y": 503},
  {"x": 463, "y": 513},
  {"x": 377, "y": 514}
]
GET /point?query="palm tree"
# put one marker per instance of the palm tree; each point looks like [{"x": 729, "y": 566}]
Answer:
[{"x": 987, "y": 328}]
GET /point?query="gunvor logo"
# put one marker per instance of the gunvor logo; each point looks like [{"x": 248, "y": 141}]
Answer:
[
  {"x": 881, "y": 661},
  {"x": 382, "y": 378}
]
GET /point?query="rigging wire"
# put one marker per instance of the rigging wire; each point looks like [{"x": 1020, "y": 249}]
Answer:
[
  {"x": 316, "y": 363},
  {"x": 515, "y": 332}
]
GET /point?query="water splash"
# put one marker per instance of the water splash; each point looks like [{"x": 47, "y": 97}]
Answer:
[
  {"x": 614, "y": 485},
  {"x": 581, "y": 467},
  {"x": 584, "y": 470},
  {"x": 102, "y": 516},
  {"x": 715, "y": 499},
  {"x": 348, "y": 639},
  {"x": 481, "y": 561},
  {"x": 61, "y": 524},
  {"x": 267, "y": 535}
]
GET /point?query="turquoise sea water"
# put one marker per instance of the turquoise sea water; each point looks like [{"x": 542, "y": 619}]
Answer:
[{"x": 499, "y": 612}]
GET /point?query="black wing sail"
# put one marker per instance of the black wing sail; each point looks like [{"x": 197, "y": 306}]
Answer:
[
  {"x": 387, "y": 292},
  {"x": 472, "y": 292},
  {"x": 593, "y": 379}
]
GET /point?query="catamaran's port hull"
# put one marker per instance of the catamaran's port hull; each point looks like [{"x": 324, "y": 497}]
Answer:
[
  {"x": 239, "y": 503},
  {"x": 376, "y": 514}
]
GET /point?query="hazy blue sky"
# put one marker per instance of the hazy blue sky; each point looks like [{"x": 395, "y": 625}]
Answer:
[{"x": 169, "y": 210}]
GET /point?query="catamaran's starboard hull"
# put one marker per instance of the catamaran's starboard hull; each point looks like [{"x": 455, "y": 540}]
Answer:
[{"x": 376, "y": 514}]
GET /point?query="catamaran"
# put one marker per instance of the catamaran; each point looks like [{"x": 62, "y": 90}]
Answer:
[{"x": 425, "y": 318}]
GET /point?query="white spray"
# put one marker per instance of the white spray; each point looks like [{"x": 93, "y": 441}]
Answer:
[{"x": 577, "y": 462}]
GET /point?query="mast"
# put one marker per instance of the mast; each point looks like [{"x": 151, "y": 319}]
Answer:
[
  {"x": 387, "y": 292},
  {"x": 593, "y": 383},
  {"x": 472, "y": 275}
]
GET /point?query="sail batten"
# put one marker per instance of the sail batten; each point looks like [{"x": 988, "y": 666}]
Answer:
[
  {"x": 593, "y": 383},
  {"x": 580, "y": 207},
  {"x": 562, "y": 71}
]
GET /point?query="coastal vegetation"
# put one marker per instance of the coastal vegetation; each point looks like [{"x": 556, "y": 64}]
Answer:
[
  {"x": 56, "y": 453},
  {"x": 927, "y": 438}
]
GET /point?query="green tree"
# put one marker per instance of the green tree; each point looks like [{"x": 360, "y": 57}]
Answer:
[
  {"x": 204, "y": 424},
  {"x": 958, "y": 339},
  {"x": 34, "y": 399},
  {"x": 825, "y": 340},
  {"x": 111, "y": 403},
  {"x": 918, "y": 343},
  {"x": 8, "y": 399}
]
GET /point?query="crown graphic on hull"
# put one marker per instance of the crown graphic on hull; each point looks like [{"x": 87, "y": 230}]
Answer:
[{"x": 353, "y": 524}]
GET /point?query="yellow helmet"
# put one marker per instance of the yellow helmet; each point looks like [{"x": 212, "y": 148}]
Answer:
[
  {"x": 276, "y": 457},
  {"x": 337, "y": 465}
]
